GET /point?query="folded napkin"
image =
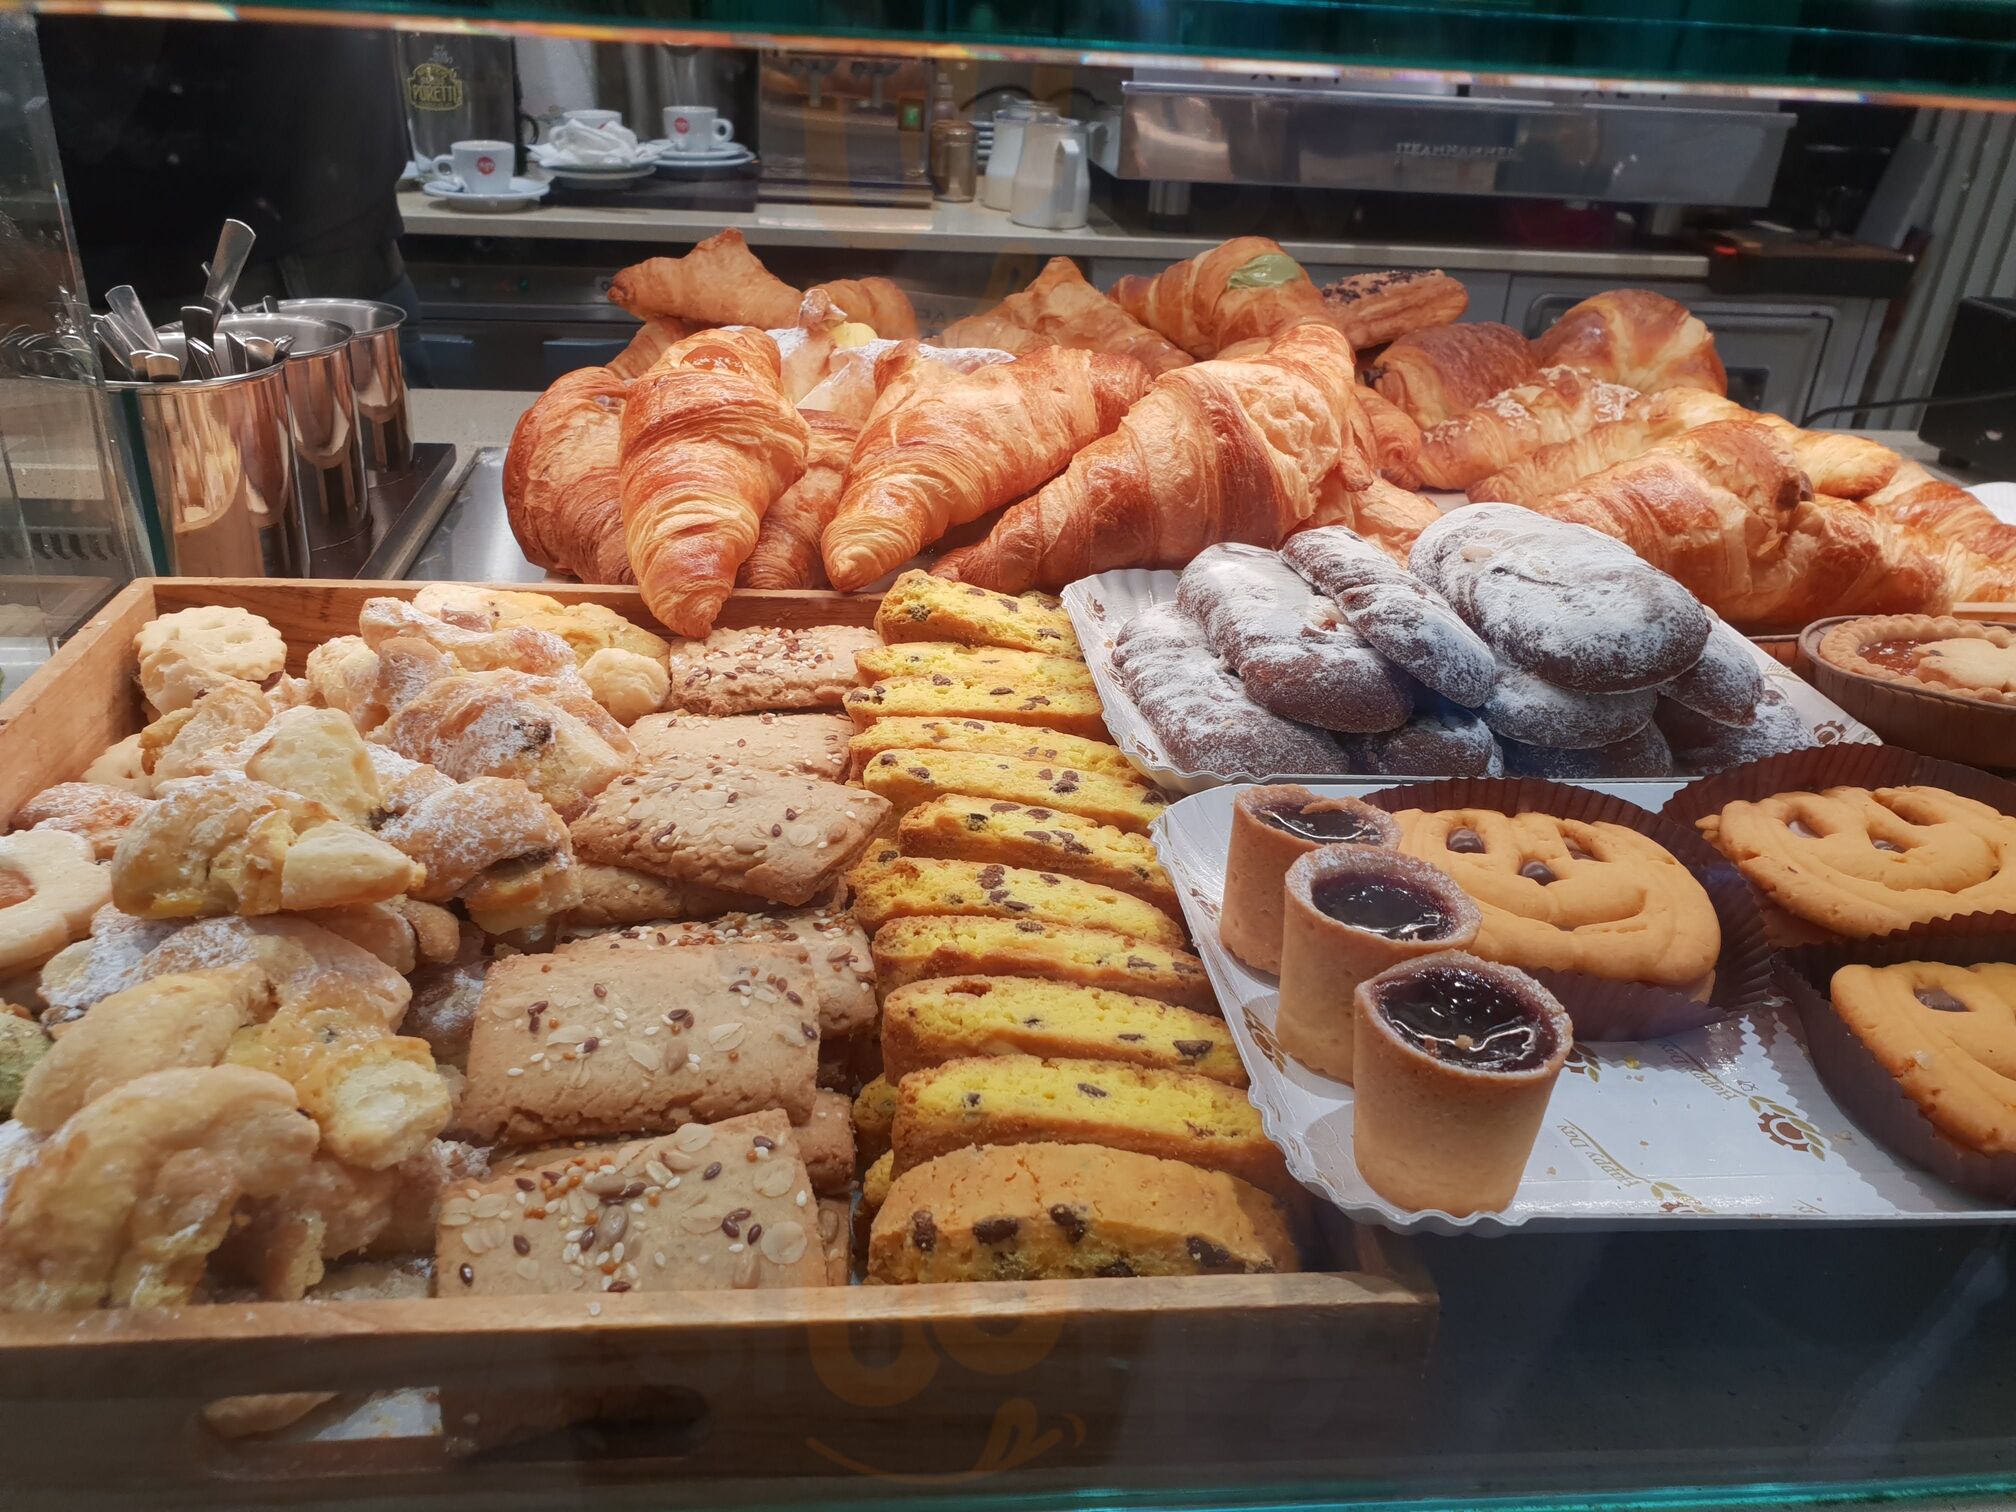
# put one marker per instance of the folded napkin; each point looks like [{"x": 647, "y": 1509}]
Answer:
[{"x": 572, "y": 143}]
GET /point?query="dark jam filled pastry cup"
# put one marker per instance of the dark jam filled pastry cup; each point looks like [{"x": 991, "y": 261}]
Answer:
[
  {"x": 1455, "y": 1059},
  {"x": 1352, "y": 912},
  {"x": 1271, "y": 828}
]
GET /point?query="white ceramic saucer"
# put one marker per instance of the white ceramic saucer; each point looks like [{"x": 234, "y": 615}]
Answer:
[
  {"x": 524, "y": 191},
  {"x": 600, "y": 177},
  {"x": 735, "y": 157}
]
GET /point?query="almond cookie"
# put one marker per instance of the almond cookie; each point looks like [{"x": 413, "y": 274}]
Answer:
[
  {"x": 798, "y": 745},
  {"x": 1861, "y": 862},
  {"x": 50, "y": 886},
  {"x": 766, "y": 667},
  {"x": 1948, "y": 1035},
  {"x": 1565, "y": 895}
]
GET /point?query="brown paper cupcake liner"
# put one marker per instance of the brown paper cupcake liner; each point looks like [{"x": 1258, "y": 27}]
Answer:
[
  {"x": 1604, "y": 1009},
  {"x": 1949, "y": 726},
  {"x": 1856, "y": 1080},
  {"x": 1866, "y": 766}
]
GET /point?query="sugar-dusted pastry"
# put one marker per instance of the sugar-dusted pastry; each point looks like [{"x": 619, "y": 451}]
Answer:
[
  {"x": 951, "y": 1018},
  {"x": 1272, "y": 828},
  {"x": 620, "y": 1035},
  {"x": 1643, "y": 754},
  {"x": 1569, "y": 895},
  {"x": 1070, "y": 710},
  {"x": 203, "y": 738},
  {"x": 1961, "y": 657},
  {"x": 989, "y": 737},
  {"x": 473, "y": 645},
  {"x": 95, "y": 810},
  {"x": 1725, "y": 685},
  {"x": 801, "y": 745},
  {"x": 1442, "y": 739},
  {"x": 1947, "y": 1034},
  {"x": 1350, "y": 913},
  {"x": 908, "y": 778},
  {"x": 887, "y": 885},
  {"x": 1863, "y": 862},
  {"x": 910, "y": 950},
  {"x": 629, "y": 686},
  {"x": 959, "y": 827},
  {"x": 971, "y": 664},
  {"x": 119, "y": 765},
  {"x": 1531, "y": 710},
  {"x": 587, "y": 628},
  {"x": 918, "y": 606},
  {"x": 1704, "y": 745},
  {"x": 769, "y": 667},
  {"x": 1454, "y": 1060},
  {"x": 1020, "y": 1099},
  {"x": 1027, "y": 1212},
  {"x": 784, "y": 839}
]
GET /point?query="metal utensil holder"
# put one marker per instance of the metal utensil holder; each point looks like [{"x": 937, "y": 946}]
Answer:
[{"x": 376, "y": 373}]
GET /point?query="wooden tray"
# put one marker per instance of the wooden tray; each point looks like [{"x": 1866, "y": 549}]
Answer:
[{"x": 1168, "y": 1379}]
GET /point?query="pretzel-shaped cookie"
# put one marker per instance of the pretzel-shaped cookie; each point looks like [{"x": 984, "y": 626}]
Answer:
[
  {"x": 1948, "y": 1035},
  {"x": 1565, "y": 895},
  {"x": 1865, "y": 863}
]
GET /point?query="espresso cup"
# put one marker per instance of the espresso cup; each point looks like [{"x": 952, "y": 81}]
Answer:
[
  {"x": 595, "y": 117},
  {"x": 481, "y": 167},
  {"x": 697, "y": 128}
]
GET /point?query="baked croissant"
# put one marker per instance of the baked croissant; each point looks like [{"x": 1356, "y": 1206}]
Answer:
[
  {"x": 1559, "y": 404},
  {"x": 1240, "y": 450},
  {"x": 1396, "y": 439},
  {"x": 645, "y": 348},
  {"x": 1439, "y": 372},
  {"x": 985, "y": 439},
  {"x": 1059, "y": 308},
  {"x": 709, "y": 442},
  {"x": 874, "y": 302},
  {"x": 1647, "y": 422},
  {"x": 560, "y": 477},
  {"x": 720, "y": 282},
  {"x": 1637, "y": 338},
  {"x": 787, "y": 547},
  {"x": 1374, "y": 308},
  {"x": 856, "y": 377},
  {"x": 1239, "y": 289}
]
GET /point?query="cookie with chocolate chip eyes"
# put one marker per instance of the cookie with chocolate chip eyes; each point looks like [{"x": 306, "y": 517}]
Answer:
[
  {"x": 1863, "y": 862},
  {"x": 1568, "y": 895},
  {"x": 1947, "y": 1034}
]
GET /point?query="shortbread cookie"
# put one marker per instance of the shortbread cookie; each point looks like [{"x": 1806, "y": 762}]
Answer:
[
  {"x": 887, "y": 885},
  {"x": 952, "y": 1018},
  {"x": 184, "y": 654},
  {"x": 797, "y": 745},
  {"x": 766, "y": 667},
  {"x": 963, "y": 828},
  {"x": 1073, "y": 711},
  {"x": 981, "y": 664},
  {"x": 120, "y": 765},
  {"x": 920, "y": 607},
  {"x": 99, "y": 812},
  {"x": 909, "y": 950},
  {"x": 908, "y": 778},
  {"x": 1946, "y": 1034},
  {"x": 988, "y": 737},
  {"x": 622, "y": 1035},
  {"x": 1861, "y": 862},
  {"x": 50, "y": 886},
  {"x": 1567, "y": 895},
  {"x": 784, "y": 839},
  {"x": 1032, "y": 1212}
]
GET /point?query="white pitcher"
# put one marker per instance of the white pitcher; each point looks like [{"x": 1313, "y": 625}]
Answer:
[
  {"x": 997, "y": 189},
  {"x": 1053, "y": 176}
]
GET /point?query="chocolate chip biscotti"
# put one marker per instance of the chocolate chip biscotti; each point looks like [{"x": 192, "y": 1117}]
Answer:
[
  {"x": 960, "y": 827},
  {"x": 989, "y": 737},
  {"x": 1024, "y": 1212},
  {"x": 908, "y": 778},
  {"x": 909, "y": 950},
  {"x": 888, "y": 886},
  {"x": 971, "y": 664},
  {"x": 1074, "y": 711},
  {"x": 919, "y": 606},
  {"x": 953, "y": 1018},
  {"x": 1019, "y": 1099}
]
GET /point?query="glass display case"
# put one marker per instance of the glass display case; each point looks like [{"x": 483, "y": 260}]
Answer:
[{"x": 1733, "y": 1293}]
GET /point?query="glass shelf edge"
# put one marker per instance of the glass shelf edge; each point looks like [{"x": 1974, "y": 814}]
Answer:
[{"x": 1118, "y": 56}]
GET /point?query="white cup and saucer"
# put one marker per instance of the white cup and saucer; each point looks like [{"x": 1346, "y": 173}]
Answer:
[
  {"x": 477, "y": 175},
  {"x": 699, "y": 136}
]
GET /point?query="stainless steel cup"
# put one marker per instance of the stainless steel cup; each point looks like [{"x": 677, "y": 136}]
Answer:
[
  {"x": 219, "y": 471},
  {"x": 376, "y": 373}
]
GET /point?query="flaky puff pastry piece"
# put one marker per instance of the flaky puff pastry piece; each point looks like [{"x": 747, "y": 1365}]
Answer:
[
  {"x": 232, "y": 845},
  {"x": 1374, "y": 308},
  {"x": 1059, "y": 308},
  {"x": 587, "y": 628},
  {"x": 1637, "y": 338},
  {"x": 709, "y": 443},
  {"x": 1439, "y": 372},
  {"x": 786, "y": 554},
  {"x": 1232, "y": 450},
  {"x": 719, "y": 283},
  {"x": 1239, "y": 289},
  {"x": 126, "y": 1201},
  {"x": 562, "y": 496},
  {"x": 490, "y": 649},
  {"x": 981, "y": 441}
]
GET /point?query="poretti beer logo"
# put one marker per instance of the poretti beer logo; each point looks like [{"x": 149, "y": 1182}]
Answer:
[{"x": 434, "y": 86}]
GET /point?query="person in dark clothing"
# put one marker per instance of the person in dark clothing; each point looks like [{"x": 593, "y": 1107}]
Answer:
[{"x": 168, "y": 128}]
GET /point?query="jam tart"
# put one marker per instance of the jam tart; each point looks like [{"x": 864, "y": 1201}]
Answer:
[{"x": 1943, "y": 655}]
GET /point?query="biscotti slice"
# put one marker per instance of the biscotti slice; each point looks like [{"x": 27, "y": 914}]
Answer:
[
  {"x": 909, "y": 950},
  {"x": 920, "y": 607},
  {"x": 797, "y": 745},
  {"x": 874, "y": 1112},
  {"x": 981, "y": 664},
  {"x": 826, "y": 1143},
  {"x": 908, "y": 778},
  {"x": 621, "y": 1035},
  {"x": 875, "y": 1181},
  {"x": 628, "y": 1217},
  {"x": 1031, "y": 1212},
  {"x": 960, "y": 827},
  {"x": 888, "y": 886},
  {"x": 953, "y": 1018},
  {"x": 990, "y": 737},
  {"x": 766, "y": 667},
  {"x": 1020, "y": 1099},
  {"x": 1074, "y": 711},
  {"x": 783, "y": 839}
]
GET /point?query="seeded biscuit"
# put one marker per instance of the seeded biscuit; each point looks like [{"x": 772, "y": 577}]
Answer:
[
  {"x": 825, "y": 1141},
  {"x": 765, "y": 667},
  {"x": 800, "y": 745}
]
